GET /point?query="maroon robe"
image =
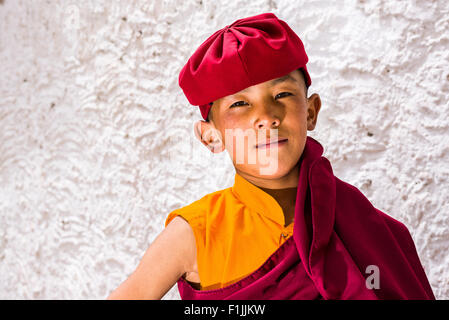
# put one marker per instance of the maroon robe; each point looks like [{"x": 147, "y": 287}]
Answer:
[{"x": 339, "y": 241}]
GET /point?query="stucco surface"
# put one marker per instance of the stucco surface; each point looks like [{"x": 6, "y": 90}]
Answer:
[{"x": 97, "y": 144}]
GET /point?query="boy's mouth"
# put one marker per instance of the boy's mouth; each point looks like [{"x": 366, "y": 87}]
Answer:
[{"x": 277, "y": 142}]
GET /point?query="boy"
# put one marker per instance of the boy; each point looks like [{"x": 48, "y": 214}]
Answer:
[{"x": 288, "y": 228}]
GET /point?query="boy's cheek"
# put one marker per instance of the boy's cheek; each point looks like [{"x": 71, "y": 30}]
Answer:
[{"x": 238, "y": 148}]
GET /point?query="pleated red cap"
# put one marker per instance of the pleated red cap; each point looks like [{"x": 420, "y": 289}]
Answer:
[{"x": 247, "y": 52}]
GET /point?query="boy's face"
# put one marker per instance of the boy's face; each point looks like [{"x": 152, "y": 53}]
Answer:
[{"x": 244, "y": 122}]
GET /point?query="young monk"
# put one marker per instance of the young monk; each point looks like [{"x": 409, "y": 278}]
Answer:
[{"x": 287, "y": 228}]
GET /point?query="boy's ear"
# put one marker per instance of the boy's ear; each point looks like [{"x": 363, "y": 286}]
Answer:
[
  {"x": 313, "y": 108},
  {"x": 208, "y": 135},
  {"x": 197, "y": 129}
]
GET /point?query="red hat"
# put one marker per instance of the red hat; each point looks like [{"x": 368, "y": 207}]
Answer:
[{"x": 247, "y": 52}]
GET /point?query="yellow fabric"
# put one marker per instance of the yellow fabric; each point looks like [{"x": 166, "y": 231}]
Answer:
[{"x": 236, "y": 230}]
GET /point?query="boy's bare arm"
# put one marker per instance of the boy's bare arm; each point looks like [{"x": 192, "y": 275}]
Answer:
[{"x": 171, "y": 255}]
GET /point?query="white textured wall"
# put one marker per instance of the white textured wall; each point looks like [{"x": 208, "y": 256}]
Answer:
[{"x": 96, "y": 139}]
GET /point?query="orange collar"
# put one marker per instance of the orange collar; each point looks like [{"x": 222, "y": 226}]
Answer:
[{"x": 257, "y": 199}]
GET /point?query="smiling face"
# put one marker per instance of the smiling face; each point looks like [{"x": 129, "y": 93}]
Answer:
[{"x": 264, "y": 129}]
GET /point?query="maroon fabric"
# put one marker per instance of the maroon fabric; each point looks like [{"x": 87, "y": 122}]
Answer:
[
  {"x": 247, "y": 52},
  {"x": 337, "y": 235}
]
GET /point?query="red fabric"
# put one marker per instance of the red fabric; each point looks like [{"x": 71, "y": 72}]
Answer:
[
  {"x": 247, "y": 52},
  {"x": 337, "y": 235}
]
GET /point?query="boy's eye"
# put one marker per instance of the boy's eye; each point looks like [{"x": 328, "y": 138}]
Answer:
[
  {"x": 237, "y": 104},
  {"x": 282, "y": 94}
]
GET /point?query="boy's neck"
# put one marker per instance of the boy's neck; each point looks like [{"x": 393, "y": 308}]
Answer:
[{"x": 287, "y": 199}]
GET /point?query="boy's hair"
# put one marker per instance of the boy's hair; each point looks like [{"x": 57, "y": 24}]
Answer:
[{"x": 209, "y": 115}]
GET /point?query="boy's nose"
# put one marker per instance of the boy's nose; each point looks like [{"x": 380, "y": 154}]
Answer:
[
  {"x": 267, "y": 119},
  {"x": 268, "y": 123}
]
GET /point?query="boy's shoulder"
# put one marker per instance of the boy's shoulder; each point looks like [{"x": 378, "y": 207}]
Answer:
[
  {"x": 350, "y": 196},
  {"x": 198, "y": 210}
]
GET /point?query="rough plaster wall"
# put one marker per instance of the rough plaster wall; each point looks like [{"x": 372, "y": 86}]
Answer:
[{"x": 96, "y": 139}]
